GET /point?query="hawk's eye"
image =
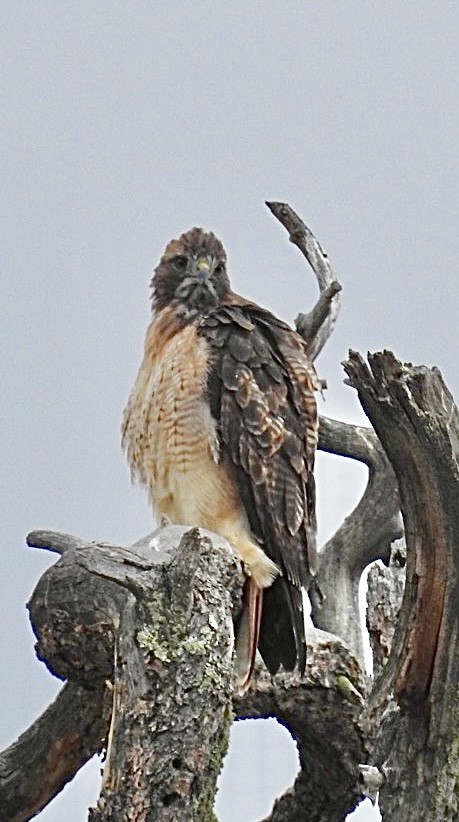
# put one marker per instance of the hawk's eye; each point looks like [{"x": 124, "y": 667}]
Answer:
[
  {"x": 219, "y": 268},
  {"x": 180, "y": 262}
]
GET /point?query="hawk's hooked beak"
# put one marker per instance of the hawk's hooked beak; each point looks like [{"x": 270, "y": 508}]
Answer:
[{"x": 203, "y": 269}]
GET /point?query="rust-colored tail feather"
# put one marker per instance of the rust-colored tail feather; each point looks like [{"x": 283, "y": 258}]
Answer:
[{"x": 248, "y": 633}]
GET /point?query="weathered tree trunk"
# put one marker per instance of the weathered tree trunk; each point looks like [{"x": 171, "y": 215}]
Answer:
[
  {"x": 147, "y": 631},
  {"x": 417, "y": 731},
  {"x": 155, "y": 621}
]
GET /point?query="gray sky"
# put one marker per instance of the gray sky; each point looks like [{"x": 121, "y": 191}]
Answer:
[{"x": 127, "y": 123}]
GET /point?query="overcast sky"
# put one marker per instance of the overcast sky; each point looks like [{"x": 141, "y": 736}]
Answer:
[{"x": 125, "y": 124}]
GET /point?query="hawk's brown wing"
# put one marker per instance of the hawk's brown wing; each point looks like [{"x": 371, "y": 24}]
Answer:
[{"x": 260, "y": 387}]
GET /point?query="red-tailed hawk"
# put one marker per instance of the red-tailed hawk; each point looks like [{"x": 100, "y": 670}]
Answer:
[{"x": 221, "y": 427}]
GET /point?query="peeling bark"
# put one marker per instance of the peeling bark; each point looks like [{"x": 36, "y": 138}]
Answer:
[{"x": 386, "y": 584}]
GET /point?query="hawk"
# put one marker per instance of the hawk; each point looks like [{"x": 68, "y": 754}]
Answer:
[{"x": 221, "y": 428}]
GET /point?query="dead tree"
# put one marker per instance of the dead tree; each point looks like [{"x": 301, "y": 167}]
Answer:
[{"x": 143, "y": 635}]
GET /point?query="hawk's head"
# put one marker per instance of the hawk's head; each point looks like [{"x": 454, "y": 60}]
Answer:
[{"x": 191, "y": 274}]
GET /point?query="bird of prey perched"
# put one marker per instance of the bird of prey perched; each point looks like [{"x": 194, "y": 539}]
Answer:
[{"x": 221, "y": 428}]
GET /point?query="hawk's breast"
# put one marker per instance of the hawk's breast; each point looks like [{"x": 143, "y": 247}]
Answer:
[
  {"x": 172, "y": 441},
  {"x": 168, "y": 430}
]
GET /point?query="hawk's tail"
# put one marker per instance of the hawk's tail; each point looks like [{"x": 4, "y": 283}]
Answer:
[
  {"x": 272, "y": 620},
  {"x": 248, "y": 632},
  {"x": 282, "y": 635}
]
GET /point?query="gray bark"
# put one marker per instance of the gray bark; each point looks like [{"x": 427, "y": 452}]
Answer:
[
  {"x": 49, "y": 754},
  {"x": 316, "y": 326},
  {"x": 386, "y": 583},
  {"x": 156, "y": 622},
  {"x": 364, "y": 536},
  {"x": 145, "y": 635},
  {"x": 412, "y": 711}
]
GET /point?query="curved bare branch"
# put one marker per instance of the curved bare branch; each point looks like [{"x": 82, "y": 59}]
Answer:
[
  {"x": 365, "y": 535},
  {"x": 35, "y": 768},
  {"x": 317, "y": 326},
  {"x": 54, "y": 541},
  {"x": 321, "y": 712}
]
